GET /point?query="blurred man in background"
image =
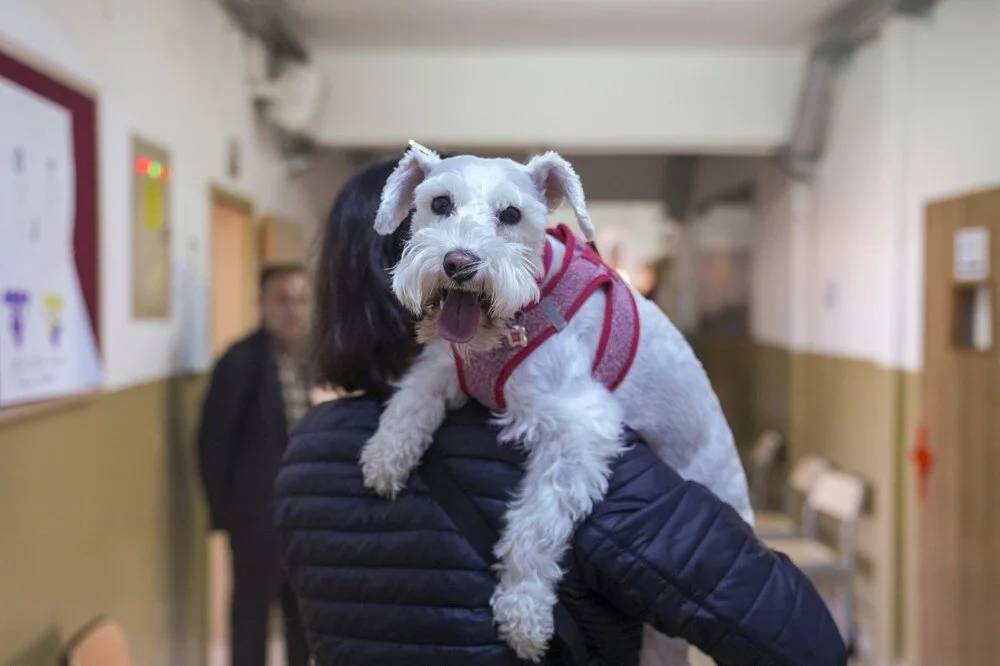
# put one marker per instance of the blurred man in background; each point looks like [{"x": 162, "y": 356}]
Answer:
[{"x": 259, "y": 391}]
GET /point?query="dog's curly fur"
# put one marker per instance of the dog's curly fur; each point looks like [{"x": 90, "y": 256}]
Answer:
[{"x": 569, "y": 423}]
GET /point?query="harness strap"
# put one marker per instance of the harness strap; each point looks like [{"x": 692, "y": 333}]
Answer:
[{"x": 580, "y": 273}]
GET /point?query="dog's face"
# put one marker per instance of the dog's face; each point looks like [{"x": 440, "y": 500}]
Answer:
[{"x": 474, "y": 256}]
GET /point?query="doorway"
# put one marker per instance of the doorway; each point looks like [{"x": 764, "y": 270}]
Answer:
[
  {"x": 959, "y": 533},
  {"x": 235, "y": 264}
]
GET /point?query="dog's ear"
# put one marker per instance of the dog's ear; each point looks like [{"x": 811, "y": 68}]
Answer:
[
  {"x": 556, "y": 180},
  {"x": 397, "y": 195}
]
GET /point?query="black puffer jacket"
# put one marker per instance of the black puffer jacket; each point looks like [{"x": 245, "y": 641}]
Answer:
[{"x": 393, "y": 583}]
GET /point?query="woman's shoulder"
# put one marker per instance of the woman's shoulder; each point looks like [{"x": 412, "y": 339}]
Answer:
[
  {"x": 332, "y": 432},
  {"x": 341, "y": 427},
  {"x": 359, "y": 412}
]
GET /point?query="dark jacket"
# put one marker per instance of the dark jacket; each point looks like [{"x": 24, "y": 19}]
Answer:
[
  {"x": 243, "y": 435},
  {"x": 392, "y": 582}
]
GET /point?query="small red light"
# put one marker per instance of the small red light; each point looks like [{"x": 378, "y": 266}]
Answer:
[{"x": 142, "y": 165}]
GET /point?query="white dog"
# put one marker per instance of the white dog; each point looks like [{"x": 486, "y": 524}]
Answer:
[{"x": 478, "y": 266}]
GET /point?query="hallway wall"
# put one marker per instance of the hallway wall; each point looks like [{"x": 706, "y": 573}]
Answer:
[
  {"x": 838, "y": 273},
  {"x": 99, "y": 501},
  {"x": 192, "y": 105},
  {"x": 102, "y": 514}
]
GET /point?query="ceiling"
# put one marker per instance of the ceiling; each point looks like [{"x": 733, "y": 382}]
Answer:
[{"x": 407, "y": 24}]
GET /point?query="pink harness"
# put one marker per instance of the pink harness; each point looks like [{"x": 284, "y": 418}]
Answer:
[{"x": 483, "y": 375}]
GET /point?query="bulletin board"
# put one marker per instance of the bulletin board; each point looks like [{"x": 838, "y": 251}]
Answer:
[
  {"x": 49, "y": 262},
  {"x": 151, "y": 173}
]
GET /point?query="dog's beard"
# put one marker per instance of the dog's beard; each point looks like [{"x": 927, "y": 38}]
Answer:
[
  {"x": 437, "y": 324},
  {"x": 505, "y": 283}
]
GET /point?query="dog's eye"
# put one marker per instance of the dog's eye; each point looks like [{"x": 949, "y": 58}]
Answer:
[
  {"x": 509, "y": 215},
  {"x": 442, "y": 205}
]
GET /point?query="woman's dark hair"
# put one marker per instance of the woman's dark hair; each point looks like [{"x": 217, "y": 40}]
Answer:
[{"x": 364, "y": 339}]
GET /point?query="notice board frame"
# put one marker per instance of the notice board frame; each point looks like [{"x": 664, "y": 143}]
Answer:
[{"x": 82, "y": 108}]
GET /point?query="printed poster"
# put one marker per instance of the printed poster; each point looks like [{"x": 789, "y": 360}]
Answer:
[{"x": 47, "y": 343}]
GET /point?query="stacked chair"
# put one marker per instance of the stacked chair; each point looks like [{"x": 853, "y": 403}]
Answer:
[
  {"x": 816, "y": 495},
  {"x": 788, "y": 521},
  {"x": 764, "y": 456}
]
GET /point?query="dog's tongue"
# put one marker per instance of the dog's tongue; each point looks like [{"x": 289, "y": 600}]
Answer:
[{"x": 459, "y": 316}]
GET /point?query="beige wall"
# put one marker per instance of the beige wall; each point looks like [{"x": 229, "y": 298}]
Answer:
[
  {"x": 102, "y": 513},
  {"x": 771, "y": 384},
  {"x": 846, "y": 410},
  {"x": 860, "y": 415},
  {"x": 729, "y": 362}
]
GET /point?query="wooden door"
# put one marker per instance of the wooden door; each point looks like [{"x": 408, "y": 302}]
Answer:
[
  {"x": 959, "y": 514},
  {"x": 235, "y": 264},
  {"x": 281, "y": 241},
  {"x": 235, "y": 260}
]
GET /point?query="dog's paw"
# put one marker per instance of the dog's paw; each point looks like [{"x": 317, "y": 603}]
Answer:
[
  {"x": 381, "y": 468},
  {"x": 523, "y": 613}
]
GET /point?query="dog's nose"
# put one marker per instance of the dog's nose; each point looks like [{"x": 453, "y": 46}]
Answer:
[{"x": 460, "y": 265}]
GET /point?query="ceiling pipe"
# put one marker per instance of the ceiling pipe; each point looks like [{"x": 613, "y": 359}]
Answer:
[
  {"x": 840, "y": 36},
  {"x": 268, "y": 21},
  {"x": 285, "y": 89}
]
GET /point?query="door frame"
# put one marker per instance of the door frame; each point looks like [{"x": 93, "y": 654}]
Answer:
[
  {"x": 945, "y": 481},
  {"x": 221, "y": 196},
  {"x": 218, "y": 565}
]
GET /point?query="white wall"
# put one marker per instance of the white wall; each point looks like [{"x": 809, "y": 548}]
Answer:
[
  {"x": 824, "y": 252},
  {"x": 773, "y": 275},
  {"x": 914, "y": 121},
  {"x": 838, "y": 262},
  {"x": 621, "y": 100},
  {"x": 847, "y": 305},
  {"x": 173, "y": 73},
  {"x": 950, "y": 89}
]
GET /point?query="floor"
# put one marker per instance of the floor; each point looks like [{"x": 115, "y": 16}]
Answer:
[{"x": 218, "y": 650}]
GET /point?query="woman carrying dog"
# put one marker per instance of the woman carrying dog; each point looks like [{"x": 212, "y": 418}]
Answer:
[{"x": 408, "y": 582}]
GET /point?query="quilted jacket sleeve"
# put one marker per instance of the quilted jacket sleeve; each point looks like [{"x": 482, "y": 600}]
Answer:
[{"x": 668, "y": 552}]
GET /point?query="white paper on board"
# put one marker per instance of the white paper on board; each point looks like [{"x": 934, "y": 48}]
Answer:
[
  {"x": 972, "y": 254},
  {"x": 47, "y": 345}
]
